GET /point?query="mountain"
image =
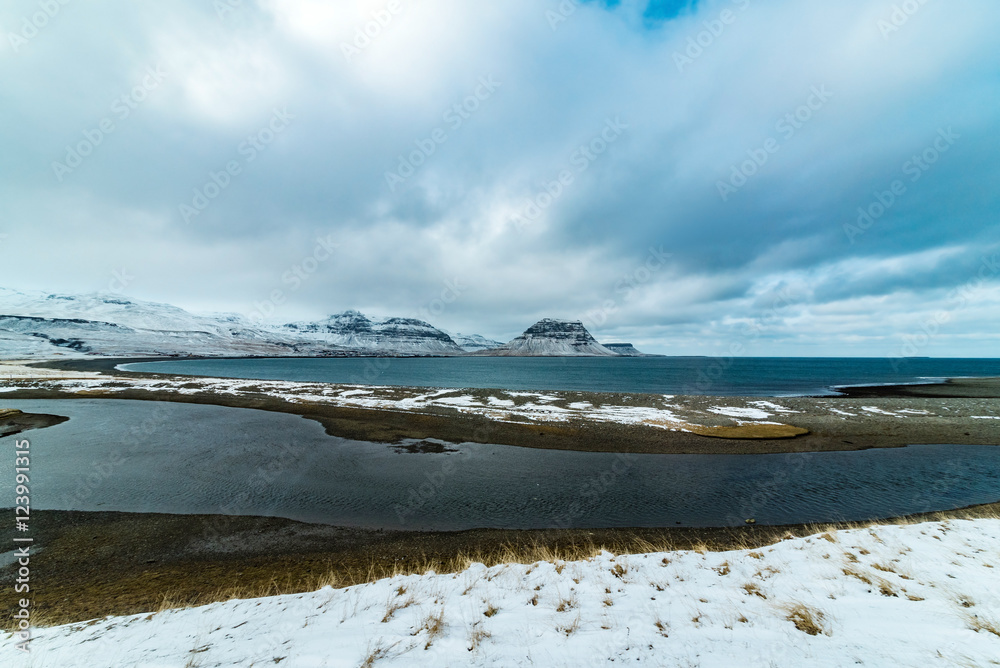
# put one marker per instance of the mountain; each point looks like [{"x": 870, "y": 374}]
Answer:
[
  {"x": 552, "y": 338},
  {"x": 352, "y": 329},
  {"x": 473, "y": 342},
  {"x": 624, "y": 349},
  {"x": 37, "y": 324},
  {"x": 34, "y": 324}
]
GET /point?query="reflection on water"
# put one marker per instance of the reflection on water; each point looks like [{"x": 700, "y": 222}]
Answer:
[{"x": 185, "y": 458}]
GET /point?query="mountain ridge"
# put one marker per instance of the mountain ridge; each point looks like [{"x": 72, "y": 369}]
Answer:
[{"x": 44, "y": 325}]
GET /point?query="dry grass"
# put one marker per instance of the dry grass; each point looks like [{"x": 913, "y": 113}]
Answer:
[
  {"x": 806, "y": 619},
  {"x": 980, "y": 623},
  {"x": 433, "y": 624},
  {"x": 392, "y": 607},
  {"x": 751, "y": 588},
  {"x": 476, "y": 636},
  {"x": 567, "y": 604},
  {"x": 377, "y": 652},
  {"x": 854, "y": 573}
]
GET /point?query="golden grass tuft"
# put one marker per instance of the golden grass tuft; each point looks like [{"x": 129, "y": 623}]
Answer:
[
  {"x": 377, "y": 652},
  {"x": 980, "y": 623},
  {"x": 476, "y": 637},
  {"x": 806, "y": 619},
  {"x": 433, "y": 624},
  {"x": 752, "y": 588}
]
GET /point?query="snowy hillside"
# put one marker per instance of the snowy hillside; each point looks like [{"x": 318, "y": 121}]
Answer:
[
  {"x": 114, "y": 309},
  {"x": 918, "y": 595},
  {"x": 46, "y": 325},
  {"x": 353, "y": 329},
  {"x": 473, "y": 342},
  {"x": 549, "y": 337}
]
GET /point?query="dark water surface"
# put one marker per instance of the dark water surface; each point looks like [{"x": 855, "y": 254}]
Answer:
[
  {"x": 142, "y": 456},
  {"x": 749, "y": 376}
]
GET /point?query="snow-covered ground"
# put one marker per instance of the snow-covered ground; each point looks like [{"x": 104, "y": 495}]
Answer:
[{"x": 914, "y": 595}]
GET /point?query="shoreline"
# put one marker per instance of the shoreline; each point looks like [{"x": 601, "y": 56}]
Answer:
[
  {"x": 95, "y": 564},
  {"x": 959, "y": 412},
  {"x": 13, "y": 422}
]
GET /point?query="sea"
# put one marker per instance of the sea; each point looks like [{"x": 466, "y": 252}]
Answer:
[{"x": 729, "y": 376}]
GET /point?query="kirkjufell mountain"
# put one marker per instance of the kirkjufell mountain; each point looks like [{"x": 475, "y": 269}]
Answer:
[{"x": 552, "y": 338}]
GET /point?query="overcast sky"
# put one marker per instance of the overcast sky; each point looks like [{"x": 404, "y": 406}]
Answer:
[{"x": 713, "y": 158}]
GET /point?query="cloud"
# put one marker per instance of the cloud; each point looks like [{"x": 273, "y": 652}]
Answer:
[{"x": 803, "y": 113}]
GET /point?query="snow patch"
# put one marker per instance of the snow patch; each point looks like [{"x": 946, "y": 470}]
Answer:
[{"x": 734, "y": 412}]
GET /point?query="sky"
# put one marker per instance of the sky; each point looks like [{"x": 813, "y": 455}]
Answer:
[{"x": 720, "y": 177}]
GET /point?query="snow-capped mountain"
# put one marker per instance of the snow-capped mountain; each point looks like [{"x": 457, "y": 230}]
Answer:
[
  {"x": 552, "y": 338},
  {"x": 110, "y": 308},
  {"x": 26, "y": 336},
  {"x": 34, "y": 324},
  {"x": 44, "y": 325},
  {"x": 472, "y": 342},
  {"x": 624, "y": 349},
  {"x": 352, "y": 329}
]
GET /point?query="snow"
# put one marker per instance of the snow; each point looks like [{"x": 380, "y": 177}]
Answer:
[
  {"x": 750, "y": 413},
  {"x": 773, "y": 407},
  {"x": 985, "y": 417},
  {"x": 878, "y": 411},
  {"x": 906, "y": 595}
]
